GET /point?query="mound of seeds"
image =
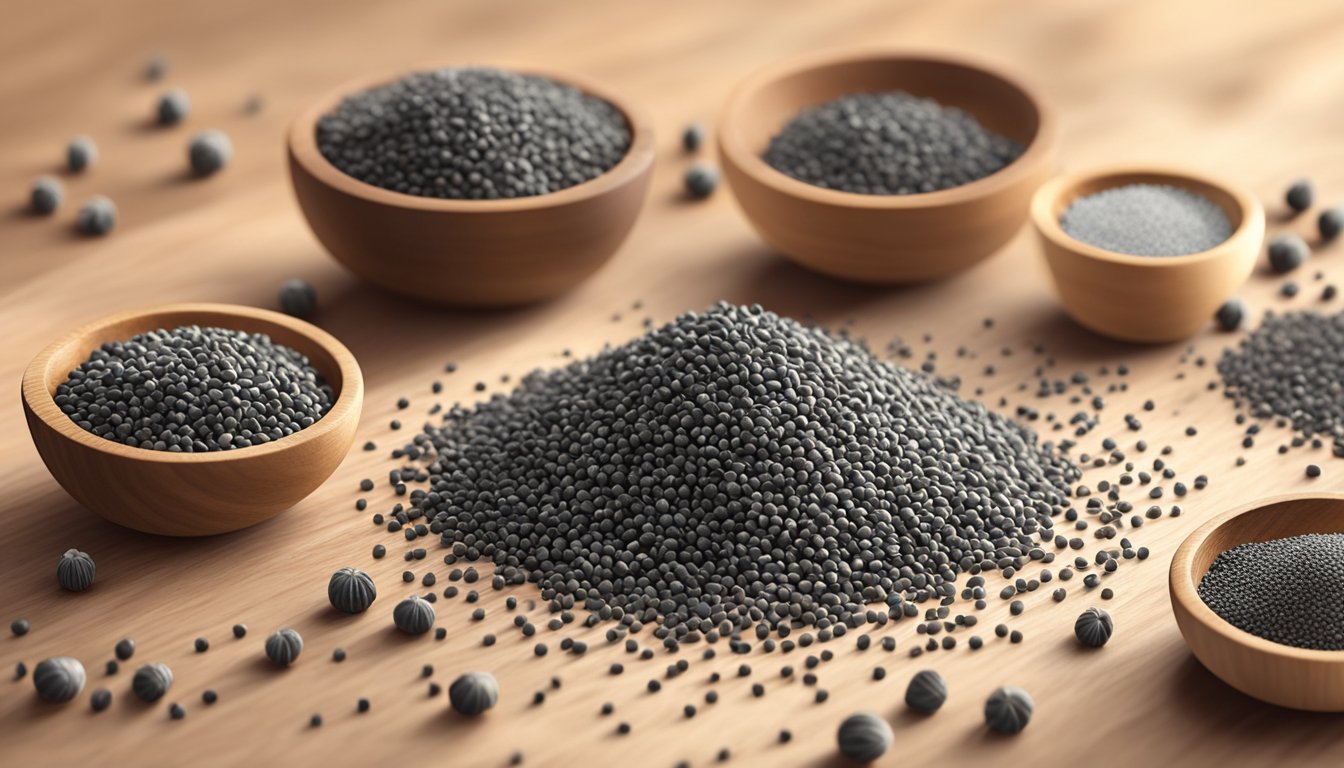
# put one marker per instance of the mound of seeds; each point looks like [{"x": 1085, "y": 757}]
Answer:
[
  {"x": 194, "y": 389},
  {"x": 1284, "y": 590},
  {"x": 1292, "y": 367},
  {"x": 1147, "y": 220},
  {"x": 887, "y": 144},
  {"x": 736, "y": 468},
  {"x": 473, "y": 134}
]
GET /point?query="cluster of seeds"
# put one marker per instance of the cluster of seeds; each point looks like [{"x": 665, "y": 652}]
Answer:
[
  {"x": 194, "y": 389},
  {"x": 1147, "y": 220},
  {"x": 1284, "y": 590},
  {"x": 888, "y": 143},
  {"x": 473, "y": 134}
]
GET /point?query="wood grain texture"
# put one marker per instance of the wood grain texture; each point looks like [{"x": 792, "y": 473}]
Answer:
[{"x": 1251, "y": 94}]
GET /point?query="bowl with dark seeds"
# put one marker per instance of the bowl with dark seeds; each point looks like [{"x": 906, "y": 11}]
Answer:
[
  {"x": 193, "y": 419},
  {"x": 471, "y": 186},
  {"x": 1255, "y": 593},
  {"x": 885, "y": 166},
  {"x": 1146, "y": 254}
]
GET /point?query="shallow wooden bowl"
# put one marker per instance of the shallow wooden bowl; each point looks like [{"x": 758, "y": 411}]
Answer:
[
  {"x": 884, "y": 238},
  {"x": 470, "y": 252},
  {"x": 191, "y": 494},
  {"x": 1290, "y": 677},
  {"x": 1147, "y": 299}
]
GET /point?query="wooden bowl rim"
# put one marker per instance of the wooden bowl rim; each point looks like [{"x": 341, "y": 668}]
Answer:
[
  {"x": 753, "y": 165},
  {"x": 1185, "y": 597},
  {"x": 638, "y": 158},
  {"x": 41, "y": 402},
  {"x": 1046, "y": 221}
]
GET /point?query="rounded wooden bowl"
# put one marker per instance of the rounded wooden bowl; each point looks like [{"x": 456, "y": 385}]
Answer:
[
  {"x": 1280, "y": 674},
  {"x": 884, "y": 238},
  {"x": 191, "y": 494},
  {"x": 1147, "y": 299},
  {"x": 470, "y": 252}
]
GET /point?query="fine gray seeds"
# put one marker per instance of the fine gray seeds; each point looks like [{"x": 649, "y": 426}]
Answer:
[
  {"x": 59, "y": 678},
  {"x": 351, "y": 590},
  {"x": 927, "y": 692},
  {"x": 1290, "y": 367},
  {"x": 1093, "y": 627},
  {"x": 151, "y": 682},
  {"x": 733, "y": 468},
  {"x": 298, "y": 298},
  {"x": 1287, "y": 252},
  {"x": 888, "y": 143},
  {"x": 473, "y": 693},
  {"x": 80, "y": 153},
  {"x": 173, "y": 107},
  {"x": 96, "y": 217},
  {"x": 701, "y": 180},
  {"x": 414, "y": 615},
  {"x": 864, "y": 737},
  {"x": 473, "y": 134},
  {"x": 194, "y": 389},
  {"x": 75, "y": 571},
  {"x": 1284, "y": 590},
  {"x": 1300, "y": 195},
  {"x": 1147, "y": 220},
  {"x": 47, "y": 195},
  {"x": 283, "y": 647},
  {"x": 209, "y": 152},
  {"x": 1231, "y": 314},
  {"x": 1008, "y": 710}
]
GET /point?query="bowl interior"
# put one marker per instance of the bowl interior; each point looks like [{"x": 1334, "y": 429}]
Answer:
[
  {"x": 1084, "y": 185},
  {"x": 1275, "y": 520}
]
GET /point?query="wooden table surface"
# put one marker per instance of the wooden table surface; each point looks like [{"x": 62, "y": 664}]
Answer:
[{"x": 1251, "y": 93}]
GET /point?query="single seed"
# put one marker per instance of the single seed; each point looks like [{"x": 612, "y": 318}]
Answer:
[
  {"x": 701, "y": 180},
  {"x": 151, "y": 682},
  {"x": 1093, "y": 627},
  {"x": 283, "y": 647},
  {"x": 864, "y": 737},
  {"x": 47, "y": 195},
  {"x": 100, "y": 700},
  {"x": 1300, "y": 195},
  {"x": 97, "y": 216},
  {"x": 209, "y": 152},
  {"x": 58, "y": 679},
  {"x": 173, "y": 107},
  {"x": 926, "y": 692},
  {"x": 1008, "y": 710},
  {"x": 80, "y": 154},
  {"x": 299, "y": 299},
  {"x": 473, "y": 693}
]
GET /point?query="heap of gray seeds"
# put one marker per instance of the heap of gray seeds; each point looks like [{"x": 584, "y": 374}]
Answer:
[
  {"x": 1147, "y": 220},
  {"x": 889, "y": 143},
  {"x": 473, "y": 134},
  {"x": 194, "y": 389},
  {"x": 1284, "y": 590},
  {"x": 736, "y": 468},
  {"x": 1292, "y": 367}
]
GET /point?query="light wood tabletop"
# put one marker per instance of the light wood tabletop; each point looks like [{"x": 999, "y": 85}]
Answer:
[{"x": 1249, "y": 92}]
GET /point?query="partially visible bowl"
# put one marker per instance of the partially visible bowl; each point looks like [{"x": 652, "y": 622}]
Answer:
[
  {"x": 1299, "y": 678},
  {"x": 191, "y": 494},
  {"x": 1148, "y": 299},
  {"x": 885, "y": 238},
  {"x": 470, "y": 252}
]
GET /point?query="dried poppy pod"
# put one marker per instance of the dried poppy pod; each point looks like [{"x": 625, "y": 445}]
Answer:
[
  {"x": 351, "y": 590},
  {"x": 473, "y": 693},
  {"x": 75, "y": 570},
  {"x": 283, "y": 647},
  {"x": 864, "y": 737},
  {"x": 59, "y": 678},
  {"x": 927, "y": 692},
  {"x": 151, "y": 682},
  {"x": 1008, "y": 709},
  {"x": 414, "y": 615},
  {"x": 1094, "y": 627}
]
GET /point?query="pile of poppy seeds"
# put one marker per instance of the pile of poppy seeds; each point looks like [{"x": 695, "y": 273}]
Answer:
[
  {"x": 473, "y": 134},
  {"x": 735, "y": 468},
  {"x": 1147, "y": 220},
  {"x": 194, "y": 389},
  {"x": 889, "y": 143},
  {"x": 1284, "y": 590}
]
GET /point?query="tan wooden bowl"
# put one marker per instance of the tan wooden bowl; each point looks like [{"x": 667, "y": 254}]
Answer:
[
  {"x": 191, "y": 494},
  {"x": 1147, "y": 299},
  {"x": 470, "y": 252},
  {"x": 884, "y": 238},
  {"x": 1279, "y": 674}
]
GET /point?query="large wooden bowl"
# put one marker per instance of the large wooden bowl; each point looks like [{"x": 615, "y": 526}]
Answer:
[
  {"x": 191, "y": 494},
  {"x": 470, "y": 252},
  {"x": 1280, "y": 674},
  {"x": 1147, "y": 299},
  {"x": 884, "y": 238}
]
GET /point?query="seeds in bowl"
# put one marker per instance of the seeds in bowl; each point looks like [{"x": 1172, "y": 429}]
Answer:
[{"x": 1147, "y": 220}]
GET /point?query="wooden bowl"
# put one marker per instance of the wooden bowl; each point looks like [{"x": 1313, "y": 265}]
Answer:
[
  {"x": 470, "y": 252},
  {"x": 884, "y": 238},
  {"x": 1280, "y": 674},
  {"x": 191, "y": 494},
  {"x": 1147, "y": 299}
]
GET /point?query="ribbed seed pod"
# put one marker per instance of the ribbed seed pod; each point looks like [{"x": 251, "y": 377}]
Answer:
[
  {"x": 283, "y": 647},
  {"x": 151, "y": 682},
  {"x": 414, "y": 615},
  {"x": 1008, "y": 709},
  {"x": 75, "y": 570},
  {"x": 59, "y": 678},
  {"x": 927, "y": 692},
  {"x": 351, "y": 590},
  {"x": 864, "y": 737},
  {"x": 473, "y": 693},
  {"x": 1094, "y": 627}
]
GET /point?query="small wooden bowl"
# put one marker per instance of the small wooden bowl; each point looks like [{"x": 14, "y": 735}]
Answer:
[
  {"x": 1148, "y": 299},
  {"x": 1279, "y": 674},
  {"x": 470, "y": 252},
  {"x": 884, "y": 238},
  {"x": 191, "y": 494}
]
